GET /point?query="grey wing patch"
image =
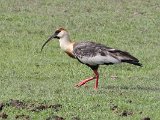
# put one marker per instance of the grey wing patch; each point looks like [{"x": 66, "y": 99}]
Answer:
[
  {"x": 93, "y": 53},
  {"x": 81, "y": 49},
  {"x": 89, "y": 49}
]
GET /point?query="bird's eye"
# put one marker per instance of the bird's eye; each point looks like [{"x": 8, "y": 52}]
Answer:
[{"x": 58, "y": 31}]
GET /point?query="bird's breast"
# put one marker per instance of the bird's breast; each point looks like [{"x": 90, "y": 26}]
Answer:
[
  {"x": 69, "y": 50},
  {"x": 70, "y": 54}
]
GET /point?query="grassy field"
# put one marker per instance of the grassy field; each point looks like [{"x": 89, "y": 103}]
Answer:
[{"x": 38, "y": 85}]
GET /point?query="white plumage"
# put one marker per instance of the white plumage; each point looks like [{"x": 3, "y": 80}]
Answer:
[{"x": 99, "y": 59}]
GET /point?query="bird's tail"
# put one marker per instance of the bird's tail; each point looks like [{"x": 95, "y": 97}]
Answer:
[
  {"x": 133, "y": 62},
  {"x": 128, "y": 58}
]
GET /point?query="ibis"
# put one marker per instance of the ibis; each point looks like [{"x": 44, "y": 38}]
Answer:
[{"x": 91, "y": 54}]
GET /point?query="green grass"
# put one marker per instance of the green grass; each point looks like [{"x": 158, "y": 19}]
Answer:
[{"x": 49, "y": 77}]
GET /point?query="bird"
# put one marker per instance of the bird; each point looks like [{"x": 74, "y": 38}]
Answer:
[{"x": 91, "y": 54}]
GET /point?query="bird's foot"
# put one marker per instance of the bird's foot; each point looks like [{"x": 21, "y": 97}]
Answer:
[
  {"x": 96, "y": 89},
  {"x": 79, "y": 84},
  {"x": 85, "y": 81}
]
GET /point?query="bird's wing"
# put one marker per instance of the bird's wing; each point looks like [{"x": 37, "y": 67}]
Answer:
[
  {"x": 96, "y": 54},
  {"x": 93, "y": 53}
]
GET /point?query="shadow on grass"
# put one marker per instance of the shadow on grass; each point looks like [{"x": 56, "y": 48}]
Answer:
[{"x": 143, "y": 88}]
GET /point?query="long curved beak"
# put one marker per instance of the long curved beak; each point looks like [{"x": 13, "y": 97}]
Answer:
[{"x": 50, "y": 38}]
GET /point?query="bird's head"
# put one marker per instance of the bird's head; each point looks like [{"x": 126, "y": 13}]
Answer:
[{"x": 58, "y": 34}]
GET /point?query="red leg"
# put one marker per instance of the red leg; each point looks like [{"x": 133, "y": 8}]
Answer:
[
  {"x": 89, "y": 79},
  {"x": 97, "y": 77},
  {"x": 85, "y": 81}
]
